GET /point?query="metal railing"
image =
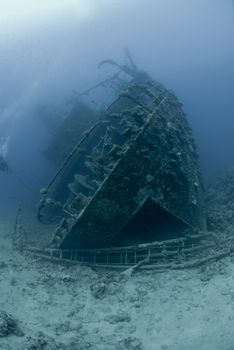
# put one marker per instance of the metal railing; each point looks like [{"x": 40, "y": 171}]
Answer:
[{"x": 175, "y": 253}]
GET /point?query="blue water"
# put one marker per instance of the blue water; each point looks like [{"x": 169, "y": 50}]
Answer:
[{"x": 48, "y": 51}]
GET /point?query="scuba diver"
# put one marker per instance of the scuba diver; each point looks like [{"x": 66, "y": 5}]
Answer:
[{"x": 3, "y": 165}]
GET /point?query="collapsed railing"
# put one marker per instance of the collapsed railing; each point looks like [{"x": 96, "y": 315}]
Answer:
[{"x": 189, "y": 251}]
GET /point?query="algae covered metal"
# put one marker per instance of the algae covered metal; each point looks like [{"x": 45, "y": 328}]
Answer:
[{"x": 132, "y": 177}]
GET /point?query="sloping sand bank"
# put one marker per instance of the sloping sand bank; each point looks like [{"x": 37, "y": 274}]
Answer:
[{"x": 76, "y": 308}]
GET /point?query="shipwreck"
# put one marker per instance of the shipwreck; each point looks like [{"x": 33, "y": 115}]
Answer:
[
  {"x": 129, "y": 171},
  {"x": 128, "y": 186}
]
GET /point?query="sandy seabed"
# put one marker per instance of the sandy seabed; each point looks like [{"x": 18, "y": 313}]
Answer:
[{"x": 77, "y": 308}]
